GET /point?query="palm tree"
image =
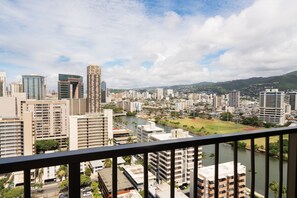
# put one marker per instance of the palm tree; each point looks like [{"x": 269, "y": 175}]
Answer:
[
  {"x": 62, "y": 172},
  {"x": 107, "y": 163}
]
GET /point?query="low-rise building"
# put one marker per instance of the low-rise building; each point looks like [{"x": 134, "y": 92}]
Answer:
[
  {"x": 105, "y": 182},
  {"x": 206, "y": 183},
  {"x": 135, "y": 174}
]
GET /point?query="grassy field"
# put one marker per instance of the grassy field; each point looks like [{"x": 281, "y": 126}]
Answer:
[
  {"x": 201, "y": 126},
  {"x": 213, "y": 126}
]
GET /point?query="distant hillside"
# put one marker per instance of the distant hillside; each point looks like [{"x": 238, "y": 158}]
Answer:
[{"x": 251, "y": 86}]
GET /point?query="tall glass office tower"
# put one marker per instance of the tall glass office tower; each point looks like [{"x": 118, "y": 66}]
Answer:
[{"x": 34, "y": 86}]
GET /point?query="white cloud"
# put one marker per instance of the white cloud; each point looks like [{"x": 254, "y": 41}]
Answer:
[{"x": 261, "y": 40}]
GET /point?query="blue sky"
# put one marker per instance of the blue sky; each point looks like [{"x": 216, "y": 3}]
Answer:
[{"x": 148, "y": 43}]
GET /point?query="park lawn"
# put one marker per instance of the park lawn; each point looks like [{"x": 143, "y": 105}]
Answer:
[
  {"x": 212, "y": 126},
  {"x": 216, "y": 126}
]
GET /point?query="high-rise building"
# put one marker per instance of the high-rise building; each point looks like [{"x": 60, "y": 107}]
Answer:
[
  {"x": 70, "y": 86},
  {"x": 206, "y": 183},
  {"x": 17, "y": 136},
  {"x": 16, "y": 88},
  {"x": 77, "y": 106},
  {"x": 184, "y": 159},
  {"x": 293, "y": 100},
  {"x": 34, "y": 86},
  {"x": 234, "y": 98},
  {"x": 145, "y": 131},
  {"x": 103, "y": 92},
  {"x": 272, "y": 106},
  {"x": 50, "y": 119},
  {"x": 2, "y": 84},
  {"x": 91, "y": 130},
  {"x": 159, "y": 93},
  {"x": 10, "y": 106},
  {"x": 94, "y": 86}
]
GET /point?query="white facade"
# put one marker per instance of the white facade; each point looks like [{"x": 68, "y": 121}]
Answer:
[
  {"x": 145, "y": 131},
  {"x": 184, "y": 159},
  {"x": 91, "y": 130},
  {"x": 135, "y": 175},
  {"x": 159, "y": 93},
  {"x": 206, "y": 181},
  {"x": 272, "y": 106}
]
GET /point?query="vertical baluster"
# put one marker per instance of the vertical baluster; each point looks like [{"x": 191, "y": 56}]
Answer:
[
  {"x": 172, "y": 173},
  {"x": 74, "y": 180},
  {"x": 114, "y": 177},
  {"x": 217, "y": 170},
  {"x": 266, "y": 166},
  {"x": 252, "y": 168},
  {"x": 235, "y": 169},
  {"x": 195, "y": 171},
  {"x": 280, "y": 194},
  {"x": 145, "y": 174},
  {"x": 292, "y": 166},
  {"x": 27, "y": 183}
]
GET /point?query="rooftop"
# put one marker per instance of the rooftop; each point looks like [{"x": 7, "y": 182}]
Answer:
[
  {"x": 225, "y": 169},
  {"x": 123, "y": 182}
]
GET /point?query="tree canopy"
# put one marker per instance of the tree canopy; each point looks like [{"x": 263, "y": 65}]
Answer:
[{"x": 46, "y": 145}]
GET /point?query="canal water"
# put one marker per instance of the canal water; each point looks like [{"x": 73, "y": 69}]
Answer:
[{"x": 226, "y": 155}]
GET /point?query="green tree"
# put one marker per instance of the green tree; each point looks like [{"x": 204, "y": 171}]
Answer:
[
  {"x": 62, "y": 172},
  {"x": 274, "y": 187},
  {"x": 13, "y": 192},
  {"x": 63, "y": 184},
  {"x": 127, "y": 159},
  {"x": 226, "y": 116},
  {"x": 85, "y": 180},
  {"x": 2, "y": 183},
  {"x": 46, "y": 145},
  {"x": 88, "y": 172},
  {"x": 107, "y": 163}
]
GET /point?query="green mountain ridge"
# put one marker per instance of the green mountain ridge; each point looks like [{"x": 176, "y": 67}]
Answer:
[{"x": 249, "y": 87}]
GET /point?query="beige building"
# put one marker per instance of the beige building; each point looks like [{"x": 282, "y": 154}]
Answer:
[
  {"x": 16, "y": 87},
  {"x": 206, "y": 183},
  {"x": 184, "y": 159},
  {"x": 51, "y": 119},
  {"x": 91, "y": 130},
  {"x": 77, "y": 106},
  {"x": 10, "y": 106},
  {"x": 17, "y": 136},
  {"x": 94, "y": 88}
]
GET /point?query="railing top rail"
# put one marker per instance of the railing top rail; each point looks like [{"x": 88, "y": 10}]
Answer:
[{"x": 58, "y": 158}]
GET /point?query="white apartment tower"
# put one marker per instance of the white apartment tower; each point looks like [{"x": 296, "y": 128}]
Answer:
[
  {"x": 94, "y": 88},
  {"x": 184, "y": 159},
  {"x": 145, "y": 131},
  {"x": 2, "y": 84},
  {"x": 272, "y": 106},
  {"x": 206, "y": 183},
  {"x": 91, "y": 130},
  {"x": 159, "y": 93},
  {"x": 234, "y": 98},
  {"x": 51, "y": 119}
]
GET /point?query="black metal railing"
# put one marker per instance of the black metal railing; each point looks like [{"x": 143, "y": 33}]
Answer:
[{"x": 74, "y": 158}]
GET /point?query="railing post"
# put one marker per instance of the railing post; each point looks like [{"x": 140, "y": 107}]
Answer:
[
  {"x": 292, "y": 162},
  {"x": 27, "y": 183},
  {"x": 74, "y": 180}
]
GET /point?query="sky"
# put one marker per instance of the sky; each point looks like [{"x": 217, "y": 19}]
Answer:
[{"x": 148, "y": 42}]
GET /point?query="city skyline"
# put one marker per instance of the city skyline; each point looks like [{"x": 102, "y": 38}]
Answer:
[{"x": 165, "y": 42}]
